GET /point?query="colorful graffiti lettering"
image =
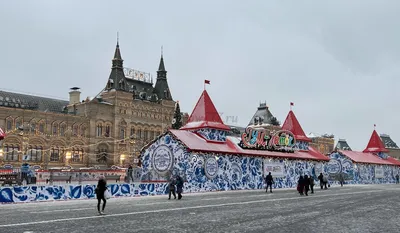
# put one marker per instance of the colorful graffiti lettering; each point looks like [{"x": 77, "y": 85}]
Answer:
[{"x": 282, "y": 140}]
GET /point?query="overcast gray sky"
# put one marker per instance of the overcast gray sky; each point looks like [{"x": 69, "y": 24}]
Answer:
[{"x": 337, "y": 61}]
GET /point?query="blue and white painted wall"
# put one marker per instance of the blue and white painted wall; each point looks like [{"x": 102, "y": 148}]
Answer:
[
  {"x": 358, "y": 173},
  {"x": 212, "y": 172},
  {"x": 20, "y": 194}
]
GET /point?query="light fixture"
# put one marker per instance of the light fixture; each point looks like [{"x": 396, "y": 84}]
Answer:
[{"x": 68, "y": 155}]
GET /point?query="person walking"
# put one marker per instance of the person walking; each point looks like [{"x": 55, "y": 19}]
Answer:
[
  {"x": 306, "y": 184},
  {"x": 179, "y": 186},
  {"x": 100, "y": 189},
  {"x": 341, "y": 179},
  {"x": 321, "y": 180},
  {"x": 397, "y": 178},
  {"x": 269, "y": 181},
  {"x": 300, "y": 185},
  {"x": 171, "y": 187},
  {"x": 130, "y": 174},
  {"x": 312, "y": 183},
  {"x": 325, "y": 181}
]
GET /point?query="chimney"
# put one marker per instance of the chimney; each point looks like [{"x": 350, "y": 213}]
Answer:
[{"x": 74, "y": 96}]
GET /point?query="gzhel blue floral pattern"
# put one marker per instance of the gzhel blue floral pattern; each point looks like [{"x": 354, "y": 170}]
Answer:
[{"x": 212, "y": 134}]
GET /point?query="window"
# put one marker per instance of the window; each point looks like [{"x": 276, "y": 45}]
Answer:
[
  {"x": 77, "y": 155},
  {"x": 55, "y": 129},
  {"x": 139, "y": 133},
  {"x": 145, "y": 134},
  {"x": 41, "y": 127},
  {"x": 62, "y": 130},
  {"x": 11, "y": 152},
  {"x": 101, "y": 156},
  {"x": 34, "y": 154},
  {"x": 55, "y": 154},
  {"x": 9, "y": 124},
  {"x": 132, "y": 132},
  {"x": 151, "y": 134},
  {"x": 18, "y": 123},
  {"x": 108, "y": 130},
  {"x": 33, "y": 128},
  {"x": 99, "y": 130},
  {"x": 122, "y": 133},
  {"x": 75, "y": 130},
  {"x": 83, "y": 130}
]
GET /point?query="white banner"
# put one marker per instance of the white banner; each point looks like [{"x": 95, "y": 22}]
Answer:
[
  {"x": 379, "y": 173},
  {"x": 277, "y": 169}
]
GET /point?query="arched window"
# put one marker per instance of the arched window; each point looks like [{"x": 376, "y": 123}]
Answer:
[
  {"x": 18, "y": 123},
  {"x": 139, "y": 133},
  {"x": 56, "y": 154},
  {"x": 99, "y": 130},
  {"x": 63, "y": 128},
  {"x": 83, "y": 130},
  {"x": 41, "y": 127},
  {"x": 77, "y": 155},
  {"x": 9, "y": 124},
  {"x": 32, "y": 127},
  {"x": 34, "y": 154},
  {"x": 108, "y": 131},
  {"x": 132, "y": 134},
  {"x": 75, "y": 130},
  {"x": 11, "y": 152},
  {"x": 151, "y": 134},
  {"x": 101, "y": 156},
  {"x": 55, "y": 129},
  {"x": 145, "y": 134},
  {"x": 122, "y": 132}
]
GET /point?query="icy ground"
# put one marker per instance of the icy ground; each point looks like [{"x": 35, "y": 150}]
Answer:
[{"x": 367, "y": 208}]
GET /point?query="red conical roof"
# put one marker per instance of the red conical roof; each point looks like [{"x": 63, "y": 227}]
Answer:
[
  {"x": 375, "y": 144},
  {"x": 205, "y": 115},
  {"x": 292, "y": 124}
]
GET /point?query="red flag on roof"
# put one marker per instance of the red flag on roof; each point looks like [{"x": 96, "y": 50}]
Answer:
[{"x": 207, "y": 81}]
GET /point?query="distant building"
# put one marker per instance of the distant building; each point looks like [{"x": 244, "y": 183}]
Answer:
[
  {"x": 394, "y": 150},
  {"x": 323, "y": 143},
  {"x": 263, "y": 118},
  {"x": 107, "y": 130},
  {"x": 342, "y": 145}
]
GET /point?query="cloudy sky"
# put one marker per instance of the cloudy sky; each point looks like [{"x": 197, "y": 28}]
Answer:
[{"x": 337, "y": 61}]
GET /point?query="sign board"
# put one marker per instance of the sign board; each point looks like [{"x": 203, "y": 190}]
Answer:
[
  {"x": 277, "y": 169},
  {"x": 261, "y": 139},
  {"x": 211, "y": 167},
  {"x": 379, "y": 173}
]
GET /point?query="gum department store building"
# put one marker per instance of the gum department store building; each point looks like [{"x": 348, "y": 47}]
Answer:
[{"x": 107, "y": 130}]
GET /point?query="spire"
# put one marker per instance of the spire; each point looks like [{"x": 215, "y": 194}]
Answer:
[
  {"x": 161, "y": 67},
  {"x": 375, "y": 144},
  {"x": 117, "y": 76},
  {"x": 205, "y": 115},
  {"x": 117, "y": 54},
  {"x": 161, "y": 87},
  {"x": 292, "y": 124}
]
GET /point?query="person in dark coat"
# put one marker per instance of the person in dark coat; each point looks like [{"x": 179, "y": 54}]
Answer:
[
  {"x": 312, "y": 184},
  {"x": 130, "y": 174},
  {"x": 179, "y": 186},
  {"x": 100, "y": 189},
  {"x": 171, "y": 187},
  {"x": 341, "y": 179},
  {"x": 306, "y": 184},
  {"x": 321, "y": 180},
  {"x": 300, "y": 185},
  {"x": 269, "y": 181},
  {"x": 397, "y": 178}
]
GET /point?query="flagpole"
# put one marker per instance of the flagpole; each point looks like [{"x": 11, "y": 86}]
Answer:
[{"x": 204, "y": 83}]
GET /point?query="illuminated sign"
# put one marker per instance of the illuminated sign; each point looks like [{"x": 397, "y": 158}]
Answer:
[{"x": 261, "y": 139}]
